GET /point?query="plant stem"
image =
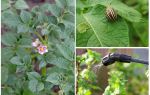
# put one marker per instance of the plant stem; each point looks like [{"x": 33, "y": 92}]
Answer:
[
  {"x": 44, "y": 71},
  {"x": 46, "y": 38},
  {"x": 39, "y": 36},
  {"x": 34, "y": 55}
]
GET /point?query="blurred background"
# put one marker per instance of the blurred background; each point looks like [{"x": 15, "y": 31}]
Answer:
[
  {"x": 139, "y": 31},
  {"x": 134, "y": 73}
]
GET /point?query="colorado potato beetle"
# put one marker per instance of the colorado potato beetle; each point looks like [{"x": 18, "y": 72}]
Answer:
[{"x": 111, "y": 14}]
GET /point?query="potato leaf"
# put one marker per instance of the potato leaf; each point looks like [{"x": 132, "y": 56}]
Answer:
[
  {"x": 21, "y": 4},
  {"x": 104, "y": 33},
  {"x": 16, "y": 60}
]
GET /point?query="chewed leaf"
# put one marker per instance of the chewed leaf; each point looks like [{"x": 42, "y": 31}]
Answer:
[{"x": 82, "y": 27}]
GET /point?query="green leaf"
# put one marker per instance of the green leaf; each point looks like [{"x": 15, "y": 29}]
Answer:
[
  {"x": 45, "y": 31},
  {"x": 40, "y": 86},
  {"x": 4, "y": 72},
  {"x": 61, "y": 3},
  {"x": 42, "y": 18},
  {"x": 7, "y": 91},
  {"x": 21, "y": 4},
  {"x": 7, "y": 53},
  {"x": 35, "y": 86},
  {"x": 71, "y": 5},
  {"x": 21, "y": 52},
  {"x": 116, "y": 83},
  {"x": 16, "y": 60},
  {"x": 141, "y": 31},
  {"x": 59, "y": 62},
  {"x": 67, "y": 87},
  {"x": 68, "y": 19},
  {"x": 25, "y": 42},
  {"x": 27, "y": 59},
  {"x": 65, "y": 51},
  {"x": 55, "y": 69},
  {"x": 9, "y": 39},
  {"x": 90, "y": 42},
  {"x": 85, "y": 36},
  {"x": 62, "y": 26},
  {"x": 43, "y": 8},
  {"x": 27, "y": 92},
  {"x": 10, "y": 19},
  {"x": 55, "y": 10},
  {"x": 83, "y": 39},
  {"x": 22, "y": 28},
  {"x": 33, "y": 76},
  {"x": 70, "y": 2},
  {"x": 53, "y": 78},
  {"x": 25, "y": 16},
  {"x": 126, "y": 12},
  {"x": 20, "y": 69},
  {"x": 52, "y": 19},
  {"x": 104, "y": 32},
  {"x": 5, "y": 4}
]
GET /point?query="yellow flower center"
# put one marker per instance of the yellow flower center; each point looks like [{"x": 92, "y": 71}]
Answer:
[{"x": 41, "y": 49}]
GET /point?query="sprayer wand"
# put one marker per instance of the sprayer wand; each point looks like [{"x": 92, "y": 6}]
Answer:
[{"x": 113, "y": 57}]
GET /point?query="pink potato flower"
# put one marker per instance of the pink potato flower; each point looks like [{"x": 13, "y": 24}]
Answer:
[{"x": 42, "y": 49}]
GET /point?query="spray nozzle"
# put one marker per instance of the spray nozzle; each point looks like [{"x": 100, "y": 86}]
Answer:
[{"x": 113, "y": 57}]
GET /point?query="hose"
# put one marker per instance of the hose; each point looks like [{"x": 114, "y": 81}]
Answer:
[{"x": 113, "y": 57}]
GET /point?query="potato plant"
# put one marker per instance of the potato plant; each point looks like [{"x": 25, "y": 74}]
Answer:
[
  {"x": 117, "y": 84},
  {"x": 37, "y": 48},
  {"x": 109, "y": 23},
  {"x": 86, "y": 77}
]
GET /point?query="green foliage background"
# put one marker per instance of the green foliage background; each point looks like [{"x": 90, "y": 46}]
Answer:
[
  {"x": 86, "y": 78},
  {"x": 130, "y": 29},
  {"x": 24, "y": 71}
]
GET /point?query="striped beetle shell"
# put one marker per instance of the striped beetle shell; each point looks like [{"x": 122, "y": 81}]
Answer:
[{"x": 111, "y": 14}]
